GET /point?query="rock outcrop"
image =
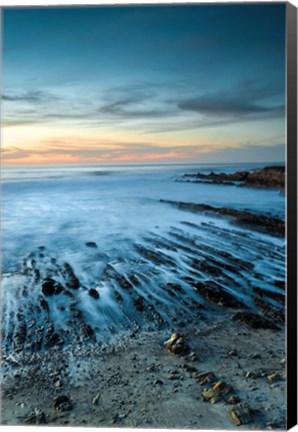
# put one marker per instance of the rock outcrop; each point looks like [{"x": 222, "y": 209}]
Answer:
[{"x": 267, "y": 177}]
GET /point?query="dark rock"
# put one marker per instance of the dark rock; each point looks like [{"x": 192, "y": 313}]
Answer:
[
  {"x": 275, "y": 314},
  {"x": 62, "y": 403},
  {"x": 87, "y": 331},
  {"x": 36, "y": 417},
  {"x": 254, "y": 321},
  {"x": 268, "y": 177},
  {"x": 36, "y": 274},
  {"x": 240, "y": 413},
  {"x": 214, "y": 292},
  {"x": 246, "y": 219},
  {"x": 233, "y": 400},
  {"x": 204, "y": 377},
  {"x": 44, "y": 304},
  {"x": 256, "y": 356},
  {"x": 51, "y": 287},
  {"x": 71, "y": 280},
  {"x": 280, "y": 298},
  {"x": 279, "y": 284},
  {"x": 189, "y": 368},
  {"x": 253, "y": 375},
  {"x": 139, "y": 304},
  {"x": 91, "y": 244},
  {"x": 53, "y": 339},
  {"x": 158, "y": 381},
  {"x": 93, "y": 293},
  {"x": 205, "y": 267}
]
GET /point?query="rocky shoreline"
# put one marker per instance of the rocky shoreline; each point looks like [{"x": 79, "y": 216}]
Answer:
[{"x": 272, "y": 177}]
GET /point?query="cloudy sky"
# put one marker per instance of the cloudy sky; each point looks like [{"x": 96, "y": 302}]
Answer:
[{"x": 197, "y": 83}]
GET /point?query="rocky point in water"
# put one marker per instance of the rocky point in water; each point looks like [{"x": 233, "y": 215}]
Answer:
[{"x": 267, "y": 177}]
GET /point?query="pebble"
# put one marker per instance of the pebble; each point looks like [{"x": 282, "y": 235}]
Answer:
[
  {"x": 256, "y": 356},
  {"x": 273, "y": 377},
  {"x": 96, "y": 399}
]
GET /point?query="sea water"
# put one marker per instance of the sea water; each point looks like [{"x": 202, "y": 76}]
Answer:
[{"x": 64, "y": 207}]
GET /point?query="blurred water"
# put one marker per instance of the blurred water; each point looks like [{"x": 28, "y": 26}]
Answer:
[{"x": 62, "y": 208}]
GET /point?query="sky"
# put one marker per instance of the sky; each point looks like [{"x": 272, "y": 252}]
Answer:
[{"x": 143, "y": 84}]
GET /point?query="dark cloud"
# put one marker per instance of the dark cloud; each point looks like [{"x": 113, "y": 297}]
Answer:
[
  {"x": 245, "y": 100},
  {"x": 134, "y": 101},
  {"x": 32, "y": 96},
  {"x": 150, "y": 107},
  {"x": 225, "y": 107}
]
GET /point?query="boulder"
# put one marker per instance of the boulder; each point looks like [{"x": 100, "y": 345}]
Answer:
[
  {"x": 62, "y": 403},
  {"x": 51, "y": 287},
  {"x": 93, "y": 293},
  {"x": 217, "y": 392},
  {"x": 240, "y": 413},
  {"x": 71, "y": 280},
  {"x": 176, "y": 344},
  {"x": 91, "y": 244}
]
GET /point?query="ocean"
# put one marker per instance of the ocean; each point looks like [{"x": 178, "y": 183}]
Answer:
[{"x": 109, "y": 225}]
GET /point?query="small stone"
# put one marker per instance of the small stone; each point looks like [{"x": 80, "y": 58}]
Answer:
[
  {"x": 221, "y": 387},
  {"x": 95, "y": 400},
  {"x": 208, "y": 394},
  {"x": 204, "y": 377},
  {"x": 256, "y": 356},
  {"x": 233, "y": 353},
  {"x": 189, "y": 368},
  {"x": 233, "y": 400},
  {"x": 273, "y": 377},
  {"x": 251, "y": 374},
  {"x": 36, "y": 417},
  {"x": 158, "y": 381},
  {"x": 191, "y": 357}
]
